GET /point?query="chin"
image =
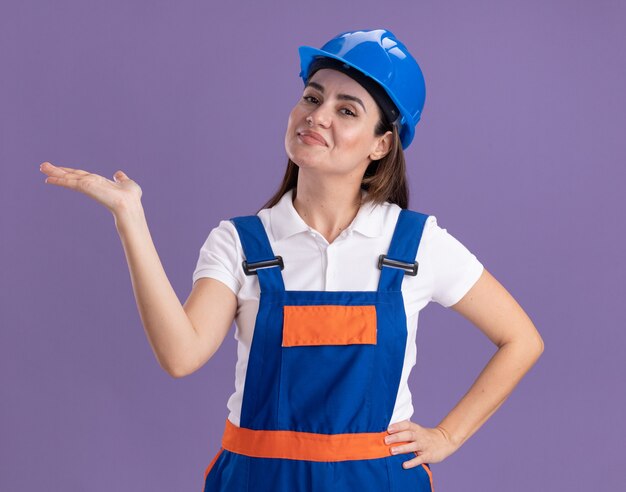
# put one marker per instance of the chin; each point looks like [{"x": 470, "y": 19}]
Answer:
[
  {"x": 305, "y": 162},
  {"x": 304, "y": 157}
]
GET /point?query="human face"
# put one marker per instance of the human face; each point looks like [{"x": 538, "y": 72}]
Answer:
[{"x": 343, "y": 116}]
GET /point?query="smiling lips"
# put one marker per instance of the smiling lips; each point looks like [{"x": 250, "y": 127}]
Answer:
[{"x": 311, "y": 137}]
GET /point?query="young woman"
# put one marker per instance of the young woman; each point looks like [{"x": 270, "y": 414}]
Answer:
[{"x": 325, "y": 284}]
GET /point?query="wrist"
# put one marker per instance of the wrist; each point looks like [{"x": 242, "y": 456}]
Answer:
[
  {"x": 455, "y": 439},
  {"x": 128, "y": 214}
]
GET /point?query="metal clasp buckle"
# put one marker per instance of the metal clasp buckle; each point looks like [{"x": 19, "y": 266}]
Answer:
[
  {"x": 409, "y": 268},
  {"x": 251, "y": 268}
]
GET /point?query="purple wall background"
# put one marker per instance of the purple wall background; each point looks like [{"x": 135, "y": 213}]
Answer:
[{"x": 519, "y": 154}]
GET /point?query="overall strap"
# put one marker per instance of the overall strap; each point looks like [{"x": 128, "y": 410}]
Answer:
[
  {"x": 400, "y": 259},
  {"x": 257, "y": 251}
]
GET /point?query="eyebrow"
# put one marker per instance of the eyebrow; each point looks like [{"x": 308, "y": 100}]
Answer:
[{"x": 346, "y": 97}]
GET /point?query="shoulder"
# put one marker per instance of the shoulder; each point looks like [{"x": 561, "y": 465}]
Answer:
[
  {"x": 228, "y": 232},
  {"x": 453, "y": 266},
  {"x": 219, "y": 256},
  {"x": 224, "y": 234},
  {"x": 389, "y": 213}
]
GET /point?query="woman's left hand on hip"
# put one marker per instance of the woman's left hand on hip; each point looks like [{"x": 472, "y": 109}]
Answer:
[{"x": 429, "y": 445}]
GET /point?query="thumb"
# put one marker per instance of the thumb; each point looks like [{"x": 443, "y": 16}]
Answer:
[{"x": 120, "y": 176}]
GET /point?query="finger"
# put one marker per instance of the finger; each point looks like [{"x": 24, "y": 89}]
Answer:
[
  {"x": 60, "y": 174},
  {"x": 417, "y": 461},
  {"x": 399, "y": 436},
  {"x": 404, "y": 447},
  {"x": 51, "y": 170},
  {"x": 120, "y": 176},
  {"x": 75, "y": 171},
  {"x": 70, "y": 180},
  {"x": 63, "y": 181},
  {"x": 399, "y": 426},
  {"x": 49, "y": 167},
  {"x": 401, "y": 442}
]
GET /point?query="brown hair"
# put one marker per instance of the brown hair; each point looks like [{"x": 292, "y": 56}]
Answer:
[{"x": 384, "y": 179}]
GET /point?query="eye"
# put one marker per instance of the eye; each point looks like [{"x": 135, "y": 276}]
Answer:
[{"x": 315, "y": 100}]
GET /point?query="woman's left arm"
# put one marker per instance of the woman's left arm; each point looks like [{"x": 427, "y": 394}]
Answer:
[{"x": 497, "y": 314}]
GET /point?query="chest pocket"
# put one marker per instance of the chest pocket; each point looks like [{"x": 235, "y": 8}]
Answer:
[
  {"x": 328, "y": 325},
  {"x": 328, "y": 358}
]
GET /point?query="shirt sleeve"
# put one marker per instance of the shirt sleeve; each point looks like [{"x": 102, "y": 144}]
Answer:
[
  {"x": 219, "y": 256},
  {"x": 455, "y": 268}
]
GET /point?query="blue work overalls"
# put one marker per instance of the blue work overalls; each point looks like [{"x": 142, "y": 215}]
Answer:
[{"x": 322, "y": 380}]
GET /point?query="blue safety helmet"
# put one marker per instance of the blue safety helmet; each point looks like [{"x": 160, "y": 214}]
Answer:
[{"x": 380, "y": 55}]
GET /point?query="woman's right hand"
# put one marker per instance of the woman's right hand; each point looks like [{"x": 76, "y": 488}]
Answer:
[{"x": 114, "y": 195}]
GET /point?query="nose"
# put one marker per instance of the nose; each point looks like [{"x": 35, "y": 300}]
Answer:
[{"x": 320, "y": 116}]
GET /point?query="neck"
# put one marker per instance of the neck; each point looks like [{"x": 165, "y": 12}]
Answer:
[{"x": 327, "y": 207}]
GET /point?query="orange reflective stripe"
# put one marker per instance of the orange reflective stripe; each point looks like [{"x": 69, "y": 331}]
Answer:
[
  {"x": 305, "y": 445},
  {"x": 328, "y": 325},
  {"x": 208, "y": 468},
  {"x": 430, "y": 475}
]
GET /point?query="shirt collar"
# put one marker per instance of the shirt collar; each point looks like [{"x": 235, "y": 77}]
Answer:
[{"x": 285, "y": 220}]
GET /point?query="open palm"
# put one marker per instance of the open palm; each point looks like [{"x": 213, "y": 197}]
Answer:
[{"x": 112, "y": 194}]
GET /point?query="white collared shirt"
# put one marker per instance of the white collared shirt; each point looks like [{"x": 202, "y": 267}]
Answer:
[{"x": 447, "y": 270}]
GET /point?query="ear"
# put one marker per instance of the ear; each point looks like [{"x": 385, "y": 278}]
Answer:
[{"x": 382, "y": 146}]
